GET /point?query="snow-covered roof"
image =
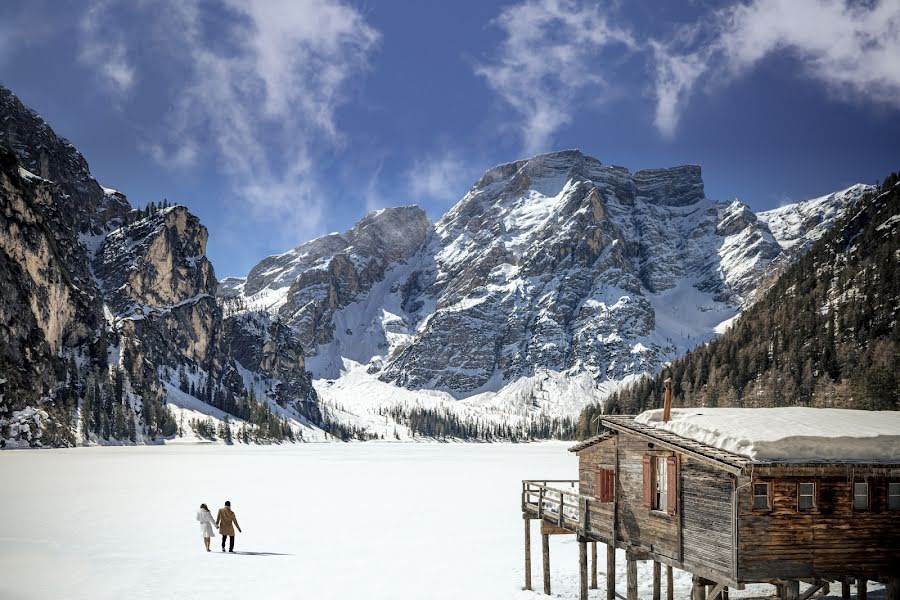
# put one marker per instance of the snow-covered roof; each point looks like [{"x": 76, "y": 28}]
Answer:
[{"x": 788, "y": 433}]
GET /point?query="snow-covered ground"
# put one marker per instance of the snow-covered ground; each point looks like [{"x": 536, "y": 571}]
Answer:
[{"x": 321, "y": 521}]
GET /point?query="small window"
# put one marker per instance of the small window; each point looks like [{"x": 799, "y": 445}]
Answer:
[
  {"x": 894, "y": 495},
  {"x": 806, "y": 496},
  {"x": 860, "y": 495},
  {"x": 761, "y": 496},
  {"x": 605, "y": 489},
  {"x": 661, "y": 489}
]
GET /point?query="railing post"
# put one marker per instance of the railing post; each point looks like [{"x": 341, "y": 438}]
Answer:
[
  {"x": 541, "y": 502},
  {"x": 562, "y": 507}
]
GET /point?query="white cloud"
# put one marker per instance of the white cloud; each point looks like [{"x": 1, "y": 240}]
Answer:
[
  {"x": 254, "y": 87},
  {"x": 853, "y": 48},
  {"x": 550, "y": 53},
  {"x": 103, "y": 48},
  {"x": 442, "y": 177}
]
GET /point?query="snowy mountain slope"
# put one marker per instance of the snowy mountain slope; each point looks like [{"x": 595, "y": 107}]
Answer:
[{"x": 552, "y": 281}]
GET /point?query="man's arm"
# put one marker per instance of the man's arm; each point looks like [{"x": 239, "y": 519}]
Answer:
[
  {"x": 218, "y": 516},
  {"x": 234, "y": 518}
]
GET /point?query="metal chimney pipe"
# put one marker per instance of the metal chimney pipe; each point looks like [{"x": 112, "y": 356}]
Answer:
[{"x": 667, "y": 403}]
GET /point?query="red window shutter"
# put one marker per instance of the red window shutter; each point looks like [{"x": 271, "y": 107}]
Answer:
[
  {"x": 600, "y": 486},
  {"x": 648, "y": 482},
  {"x": 671, "y": 485}
]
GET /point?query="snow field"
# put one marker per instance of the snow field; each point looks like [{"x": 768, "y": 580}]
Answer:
[{"x": 320, "y": 521}]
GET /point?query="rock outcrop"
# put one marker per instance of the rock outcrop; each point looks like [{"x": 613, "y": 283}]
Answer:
[{"x": 106, "y": 308}]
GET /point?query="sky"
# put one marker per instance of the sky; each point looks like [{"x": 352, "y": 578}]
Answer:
[{"x": 276, "y": 121}]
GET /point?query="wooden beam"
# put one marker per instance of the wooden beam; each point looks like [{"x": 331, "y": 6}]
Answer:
[
  {"x": 862, "y": 588},
  {"x": 631, "y": 579},
  {"x": 698, "y": 588},
  {"x": 715, "y": 592},
  {"x": 551, "y": 529},
  {"x": 656, "y": 580},
  {"x": 893, "y": 587},
  {"x": 545, "y": 555},
  {"x": 791, "y": 590},
  {"x": 610, "y": 572},
  {"x": 593, "y": 565},
  {"x": 670, "y": 588},
  {"x": 582, "y": 569},
  {"x": 808, "y": 593},
  {"x": 527, "y": 554}
]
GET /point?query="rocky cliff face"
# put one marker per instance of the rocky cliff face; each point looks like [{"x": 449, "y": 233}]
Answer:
[
  {"x": 93, "y": 289},
  {"x": 554, "y": 264}
]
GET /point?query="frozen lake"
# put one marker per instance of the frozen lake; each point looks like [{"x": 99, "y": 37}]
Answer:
[
  {"x": 321, "y": 521},
  {"x": 328, "y": 521}
]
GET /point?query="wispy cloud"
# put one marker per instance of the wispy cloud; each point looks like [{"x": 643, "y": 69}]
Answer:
[
  {"x": 257, "y": 87},
  {"x": 850, "y": 47},
  {"x": 549, "y": 55},
  {"x": 443, "y": 177},
  {"x": 104, "y": 49}
]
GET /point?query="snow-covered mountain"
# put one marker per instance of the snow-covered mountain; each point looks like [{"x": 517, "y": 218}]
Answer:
[{"x": 553, "y": 280}]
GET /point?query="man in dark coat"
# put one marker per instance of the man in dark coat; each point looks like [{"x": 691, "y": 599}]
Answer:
[{"x": 226, "y": 521}]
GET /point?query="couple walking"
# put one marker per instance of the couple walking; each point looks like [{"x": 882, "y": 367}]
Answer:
[{"x": 225, "y": 521}]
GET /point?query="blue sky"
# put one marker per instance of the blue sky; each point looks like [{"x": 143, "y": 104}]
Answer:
[{"x": 277, "y": 121}]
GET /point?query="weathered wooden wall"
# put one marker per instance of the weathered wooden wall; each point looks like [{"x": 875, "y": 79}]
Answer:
[
  {"x": 650, "y": 530},
  {"x": 590, "y": 460},
  {"x": 708, "y": 515},
  {"x": 831, "y": 541}
]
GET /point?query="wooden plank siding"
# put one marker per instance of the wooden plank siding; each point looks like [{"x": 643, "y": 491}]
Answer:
[
  {"x": 830, "y": 541},
  {"x": 708, "y": 519},
  {"x": 650, "y": 530},
  {"x": 599, "y": 456}
]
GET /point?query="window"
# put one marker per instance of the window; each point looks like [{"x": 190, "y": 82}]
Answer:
[
  {"x": 660, "y": 483},
  {"x": 894, "y": 495},
  {"x": 806, "y": 496},
  {"x": 860, "y": 495},
  {"x": 761, "y": 496},
  {"x": 605, "y": 489},
  {"x": 661, "y": 480}
]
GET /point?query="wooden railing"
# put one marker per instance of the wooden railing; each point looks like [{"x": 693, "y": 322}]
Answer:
[{"x": 554, "y": 500}]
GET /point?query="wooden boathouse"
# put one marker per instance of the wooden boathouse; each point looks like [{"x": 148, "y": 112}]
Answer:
[{"x": 727, "y": 519}]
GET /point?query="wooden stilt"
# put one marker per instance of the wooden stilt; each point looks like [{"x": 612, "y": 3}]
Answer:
[
  {"x": 862, "y": 588},
  {"x": 545, "y": 553},
  {"x": 670, "y": 588},
  {"x": 583, "y": 568},
  {"x": 593, "y": 565},
  {"x": 893, "y": 587},
  {"x": 791, "y": 590},
  {"x": 527, "y": 554},
  {"x": 610, "y": 572},
  {"x": 725, "y": 593},
  {"x": 631, "y": 579},
  {"x": 845, "y": 589},
  {"x": 698, "y": 590},
  {"x": 656, "y": 581}
]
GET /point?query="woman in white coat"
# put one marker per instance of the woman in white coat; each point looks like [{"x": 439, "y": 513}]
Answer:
[{"x": 207, "y": 524}]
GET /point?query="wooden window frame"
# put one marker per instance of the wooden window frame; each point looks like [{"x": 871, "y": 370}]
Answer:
[
  {"x": 650, "y": 474},
  {"x": 754, "y": 496},
  {"x": 815, "y": 503},
  {"x": 889, "y": 495},
  {"x": 605, "y": 485},
  {"x": 853, "y": 494}
]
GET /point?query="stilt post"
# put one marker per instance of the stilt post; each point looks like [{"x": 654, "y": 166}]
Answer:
[
  {"x": 610, "y": 572},
  {"x": 583, "y": 568},
  {"x": 893, "y": 587},
  {"x": 791, "y": 590},
  {"x": 862, "y": 588},
  {"x": 698, "y": 589},
  {"x": 527, "y": 553},
  {"x": 670, "y": 589},
  {"x": 631, "y": 576},
  {"x": 593, "y": 565},
  {"x": 845, "y": 588},
  {"x": 545, "y": 555},
  {"x": 656, "y": 581}
]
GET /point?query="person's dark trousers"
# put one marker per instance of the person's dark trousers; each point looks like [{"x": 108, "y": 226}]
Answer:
[{"x": 230, "y": 544}]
